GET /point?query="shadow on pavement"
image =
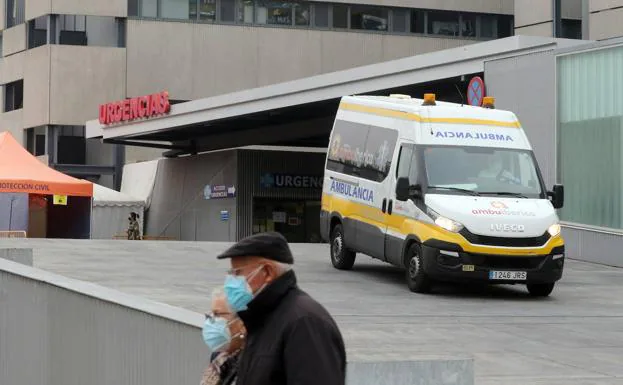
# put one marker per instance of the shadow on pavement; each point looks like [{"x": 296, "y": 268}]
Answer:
[{"x": 393, "y": 275}]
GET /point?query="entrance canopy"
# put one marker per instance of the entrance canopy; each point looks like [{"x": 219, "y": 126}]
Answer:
[
  {"x": 21, "y": 172},
  {"x": 301, "y": 112}
]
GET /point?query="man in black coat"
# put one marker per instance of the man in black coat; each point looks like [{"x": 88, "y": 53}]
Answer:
[{"x": 291, "y": 338}]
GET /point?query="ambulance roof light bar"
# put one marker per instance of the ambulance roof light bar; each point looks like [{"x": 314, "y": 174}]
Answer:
[
  {"x": 429, "y": 100},
  {"x": 400, "y": 96},
  {"x": 488, "y": 102}
]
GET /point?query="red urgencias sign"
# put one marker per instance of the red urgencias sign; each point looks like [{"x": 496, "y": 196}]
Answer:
[{"x": 135, "y": 108}]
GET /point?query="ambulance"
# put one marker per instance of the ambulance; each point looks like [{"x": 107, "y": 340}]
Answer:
[{"x": 446, "y": 191}]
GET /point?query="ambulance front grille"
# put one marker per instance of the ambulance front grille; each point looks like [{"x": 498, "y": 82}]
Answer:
[{"x": 476, "y": 239}]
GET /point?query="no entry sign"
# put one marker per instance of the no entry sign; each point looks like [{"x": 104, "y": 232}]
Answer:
[{"x": 475, "y": 91}]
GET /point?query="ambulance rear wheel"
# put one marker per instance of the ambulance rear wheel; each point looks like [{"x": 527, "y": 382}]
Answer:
[
  {"x": 417, "y": 280},
  {"x": 341, "y": 258},
  {"x": 540, "y": 289}
]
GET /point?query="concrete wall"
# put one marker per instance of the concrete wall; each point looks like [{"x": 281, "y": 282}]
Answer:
[
  {"x": 81, "y": 79},
  {"x": 14, "y": 40},
  {"x": 13, "y": 121},
  {"x": 606, "y": 23},
  {"x": 12, "y": 68},
  {"x": 178, "y": 207},
  {"x": 252, "y": 57},
  {"x": 117, "y": 8},
  {"x": 526, "y": 85},
  {"x": 37, "y": 87},
  {"x": 36, "y": 8},
  {"x": 60, "y": 331},
  {"x": 23, "y": 256}
]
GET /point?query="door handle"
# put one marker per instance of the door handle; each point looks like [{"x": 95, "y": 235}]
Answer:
[
  {"x": 389, "y": 207},
  {"x": 384, "y": 204}
]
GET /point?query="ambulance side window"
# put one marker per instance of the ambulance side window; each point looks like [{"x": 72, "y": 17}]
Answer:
[
  {"x": 348, "y": 140},
  {"x": 406, "y": 167},
  {"x": 378, "y": 154},
  {"x": 413, "y": 171}
]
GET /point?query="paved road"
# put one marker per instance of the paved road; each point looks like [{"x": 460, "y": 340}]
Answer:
[{"x": 573, "y": 337}]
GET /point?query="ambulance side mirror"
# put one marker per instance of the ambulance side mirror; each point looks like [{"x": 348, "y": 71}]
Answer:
[
  {"x": 405, "y": 191},
  {"x": 557, "y": 196}
]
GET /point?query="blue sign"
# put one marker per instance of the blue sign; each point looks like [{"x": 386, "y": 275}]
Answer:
[
  {"x": 224, "y": 215},
  {"x": 270, "y": 180},
  {"x": 353, "y": 191},
  {"x": 473, "y": 135},
  {"x": 219, "y": 191},
  {"x": 475, "y": 91}
]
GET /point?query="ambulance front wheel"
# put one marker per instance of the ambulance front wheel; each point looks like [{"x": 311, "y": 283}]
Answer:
[
  {"x": 341, "y": 258},
  {"x": 417, "y": 280}
]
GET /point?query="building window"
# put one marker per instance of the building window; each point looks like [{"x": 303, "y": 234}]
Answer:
[
  {"x": 321, "y": 15},
  {"x": 37, "y": 32},
  {"x": 15, "y": 12},
  {"x": 443, "y": 23},
  {"x": 71, "y": 145},
  {"x": 368, "y": 18},
  {"x": 244, "y": 11},
  {"x": 273, "y": 12},
  {"x": 400, "y": 20},
  {"x": 505, "y": 26},
  {"x": 103, "y": 31},
  {"x": 571, "y": 29},
  {"x": 133, "y": 6},
  {"x": 418, "y": 21},
  {"x": 488, "y": 26},
  {"x": 301, "y": 13},
  {"x": 207, "y": 10},
  {"x": 228, "y": 11},
  {"x": 14, "y": 96},
  {"x": 468, "y": 24},
  {"x": 149, "y": 8},
  {"x": 590, "y": 133},
  {"x": 340, "y": 16}
]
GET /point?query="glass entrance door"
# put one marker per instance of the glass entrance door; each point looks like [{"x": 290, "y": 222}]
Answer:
[{"x": 297, "y": 221}]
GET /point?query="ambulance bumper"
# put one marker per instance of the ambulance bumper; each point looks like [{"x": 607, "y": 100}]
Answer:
[{"x": 444, "y": 261}]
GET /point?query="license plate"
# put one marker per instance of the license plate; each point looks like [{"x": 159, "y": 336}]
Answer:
[{"x": 508, "y": 275}]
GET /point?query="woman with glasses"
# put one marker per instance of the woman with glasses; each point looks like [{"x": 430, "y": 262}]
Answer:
[{"x": 224, "y": 334}]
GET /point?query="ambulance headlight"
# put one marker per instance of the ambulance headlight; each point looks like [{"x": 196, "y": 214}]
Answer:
[
  {"x": 554, "y": 230},
  {"x": 445, "y": 223}
]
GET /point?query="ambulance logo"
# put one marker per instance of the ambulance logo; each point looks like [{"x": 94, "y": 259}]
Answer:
[{"x": 498, "y": 205}]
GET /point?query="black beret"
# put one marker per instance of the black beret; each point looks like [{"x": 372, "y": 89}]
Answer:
[{"x": 270, "y": 245}]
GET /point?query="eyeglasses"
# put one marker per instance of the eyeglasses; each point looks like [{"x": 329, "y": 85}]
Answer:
[
  {"x": 238, "y": 270},
  {"x": 213, "y": 315}
]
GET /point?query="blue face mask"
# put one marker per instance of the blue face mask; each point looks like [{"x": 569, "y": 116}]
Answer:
[
  {"x": 238, "y": 292},
  {"x": 216, "y": 333}
]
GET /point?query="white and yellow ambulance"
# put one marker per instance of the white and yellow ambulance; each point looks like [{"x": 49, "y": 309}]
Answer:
[{"x": 448, "y": 192}]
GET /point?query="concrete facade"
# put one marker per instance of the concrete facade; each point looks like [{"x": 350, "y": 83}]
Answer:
[
  {"x": 598, "y": 19},
  {"x": 74, "y": 55},
  {"x": 180, "y": 210}
]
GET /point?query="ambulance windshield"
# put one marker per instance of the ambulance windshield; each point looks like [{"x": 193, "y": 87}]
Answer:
[{"x": 482, "y": 171}]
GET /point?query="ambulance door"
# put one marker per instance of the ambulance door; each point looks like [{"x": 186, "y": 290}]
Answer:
[
  {"x": 399, "y": 212},
  {"x": 377, "y": 183}
]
